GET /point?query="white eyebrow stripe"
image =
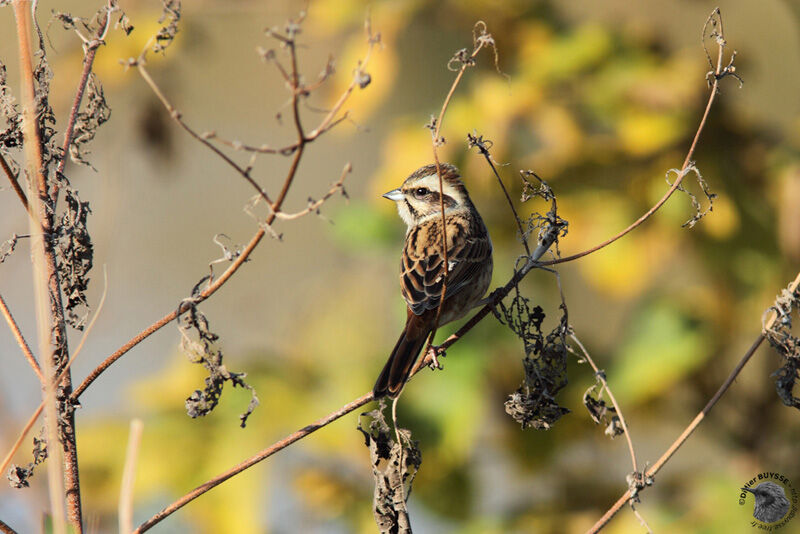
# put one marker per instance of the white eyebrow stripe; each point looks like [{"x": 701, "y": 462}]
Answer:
[{"x": 432, "y": 182}]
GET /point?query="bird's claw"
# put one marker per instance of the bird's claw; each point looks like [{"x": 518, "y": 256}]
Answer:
[{"x": 433, "y": 357}]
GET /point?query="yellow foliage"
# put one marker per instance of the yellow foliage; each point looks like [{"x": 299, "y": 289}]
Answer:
[
  {"x": 723, "y": 222},
  {"x": 387, "y": 18},
  {"x": 325, "y": 494},
  {"x": 625, "y": 268},
  {"x": 645, "y": 132}
]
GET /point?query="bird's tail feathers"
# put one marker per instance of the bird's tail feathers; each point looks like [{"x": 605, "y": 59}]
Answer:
[{"x": 398, "y": 368}]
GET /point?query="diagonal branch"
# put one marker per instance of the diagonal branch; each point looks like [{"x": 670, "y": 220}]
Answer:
[
  {"x": 302, "y": 140},
  {"x": 673, "y": 448},
  {"x": 90, "y": 52},
  {"x": 250, "y": 462},
  {"x": 14, "y": 182},
  {"x": 719, "y": 73},
  {"x": 21, "y": 341}
]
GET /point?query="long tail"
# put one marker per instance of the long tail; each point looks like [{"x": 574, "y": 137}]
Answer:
[{"x": 404, "y": 355}]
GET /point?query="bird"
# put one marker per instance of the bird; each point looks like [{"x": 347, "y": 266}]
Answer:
[
  {"x": 422, "y": 268},
  {"x": 771, "y": 502}
]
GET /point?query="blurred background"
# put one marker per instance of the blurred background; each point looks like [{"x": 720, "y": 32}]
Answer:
[{"x": 603, "y": 99}]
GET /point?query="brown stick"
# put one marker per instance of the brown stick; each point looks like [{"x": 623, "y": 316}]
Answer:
[
  {"x": 88, "y": 62},
  {"x": 5, "y": 529},
  {"x": 436, "y": 130},
  {"x": 697, "y": 420},
  {"x": 14, "y": 182},
  {"x": 49, "y": 309},
  {"x": 263, "y": 455},
  {"x": 21, "y": 438},
  {"x": 26, "y": 350},
  {"x": 601, "y": 377},
  {"x": 58, "y": 379},
  {"x": 275, "y": 207},
  {"x": 719, "y": 73}
]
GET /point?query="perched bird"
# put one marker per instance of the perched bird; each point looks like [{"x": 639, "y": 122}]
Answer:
[
  {"x": 422, "y": 269},
  {"x": 771, "y": 502}
]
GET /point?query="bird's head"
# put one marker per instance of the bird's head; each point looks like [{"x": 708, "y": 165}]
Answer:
[{"x": 418, "y": 199}]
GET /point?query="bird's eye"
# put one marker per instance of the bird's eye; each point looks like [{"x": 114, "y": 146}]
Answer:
[{"x": 420, "y": 192}]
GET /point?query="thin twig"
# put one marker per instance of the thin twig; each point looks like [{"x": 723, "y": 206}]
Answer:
[
  {"x": 27, "y": 428},
  {"x": 602, "y": 378},
  {"x": 26, "y": 350},
  {"x": 129, "y": 477},
  {"x": 275, "y": 207},
  {"x": 673, "y": 448},
  {"x": 90, "y": 51},
  {"x": 5, "y": 529},
  {"x": 484, "y": 150},
  {"x": 14, "y": 182},
  {"x": 59, "y": 378},
  {"x": 686, "y": 164},
  {"x": 478, "y": 45},
  {"x": 178, "y": 117},
  {"x": 264, "y": 454}
]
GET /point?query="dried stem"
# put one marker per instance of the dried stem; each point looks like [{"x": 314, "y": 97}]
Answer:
[
  {"x": 178, "y": 117},
  {"x": 21, "y": 438},
  {"x": 58, "y": 379},
  {"x": 263, "y": 455},
  {"x": 90, "y": 51},
  {"x": 302, "y": 140},
  {"x": 465, "y": 63},
  {"x": 601, "y": 376},
  {"x": 5, "y": 529},
  {"x": 719, "y": 73},
  {"x": 26, "y": 350},
  {"x": 14, "y": 182},
  {"x": 49, "y": 311},
  {"x": 651, "y": 472},
  {"x": 129, "y": 477}
]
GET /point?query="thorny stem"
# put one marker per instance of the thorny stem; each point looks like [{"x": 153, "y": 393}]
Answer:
[
  {"x": 601, "y": 376},
  {"x": 12, "y": 324},
  {"x": 603, "y": 521}
]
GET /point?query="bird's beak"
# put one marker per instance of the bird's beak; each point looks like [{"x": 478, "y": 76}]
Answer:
[
  {"x": 748, "y": 489},
  {"x": 394, "y": 194}
]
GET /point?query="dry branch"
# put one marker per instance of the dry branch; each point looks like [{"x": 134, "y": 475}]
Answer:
[
  {"x": 26, "y": 350},
  {"x": 673, "y": 448}
]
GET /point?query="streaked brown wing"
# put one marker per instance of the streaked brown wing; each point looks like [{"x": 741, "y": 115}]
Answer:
[{"x": 422, "y": 267}]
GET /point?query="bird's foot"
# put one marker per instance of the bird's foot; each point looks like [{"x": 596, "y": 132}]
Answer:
[{"x": 432, "y": 355}]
